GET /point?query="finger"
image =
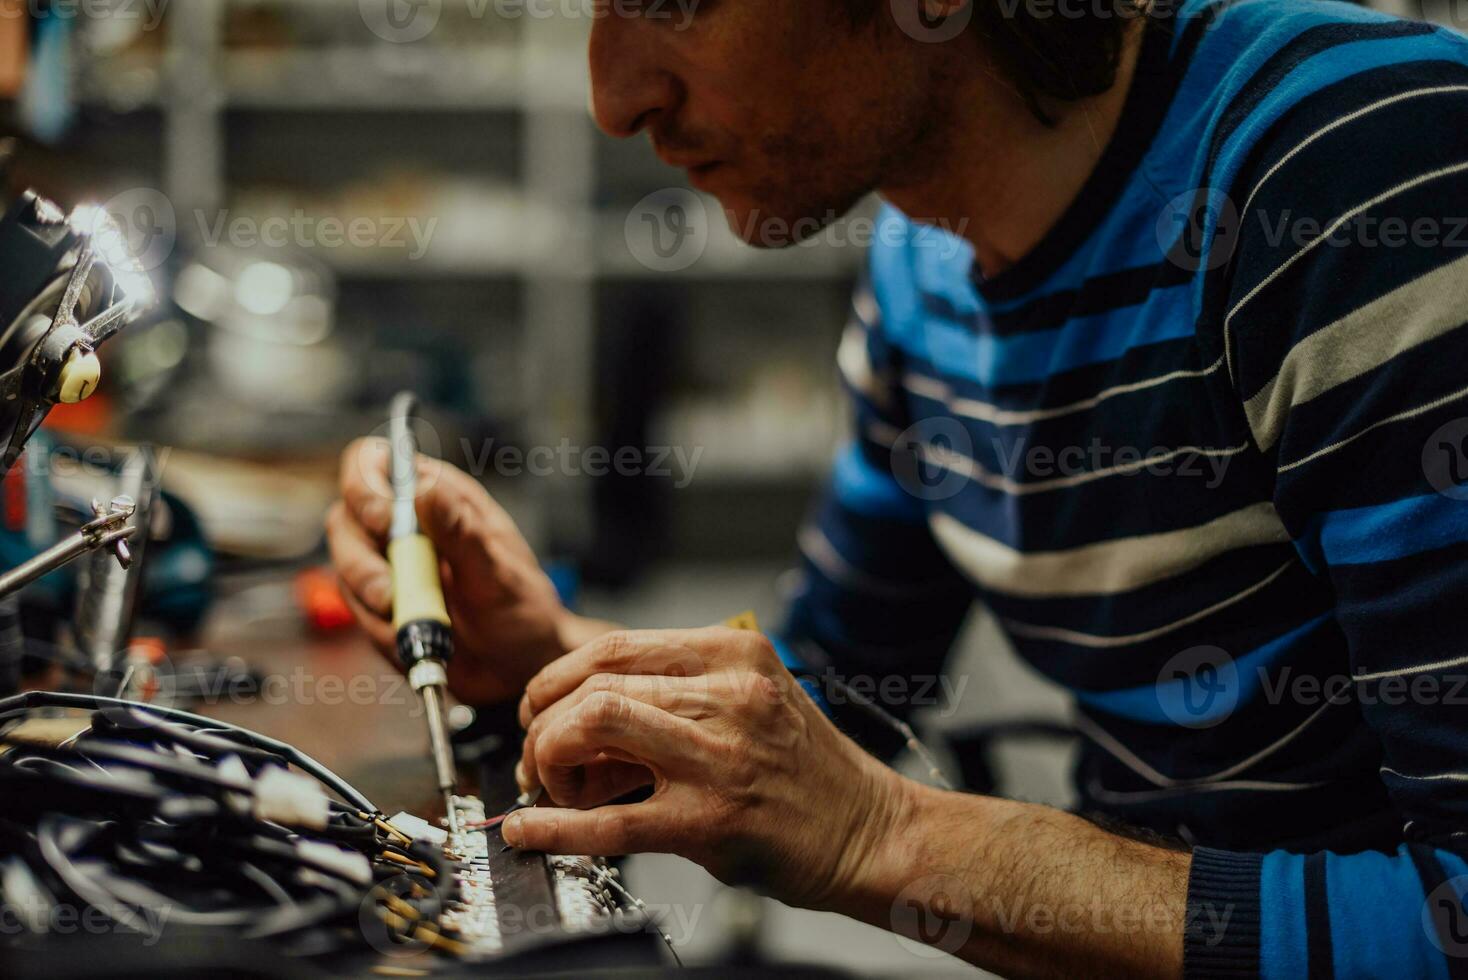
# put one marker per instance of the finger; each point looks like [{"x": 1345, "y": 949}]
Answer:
[
  {"x": 608, "y": 830},
  {"x": 621, "y": 652},
  {"x": 623, "y": 729},
  {"x": 365, "y": 486},
  {"x": 378, "y": 630},
  {"x": 603, "y": 782},
  {"x": 362, "y": 568},
  {"x": 687, "y": 698}
]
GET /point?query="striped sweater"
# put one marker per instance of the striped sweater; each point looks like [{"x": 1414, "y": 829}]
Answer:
[{"x": 1204, "y": 454}]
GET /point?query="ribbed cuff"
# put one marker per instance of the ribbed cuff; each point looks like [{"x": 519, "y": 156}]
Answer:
[{"x": 1221, "y": 935}]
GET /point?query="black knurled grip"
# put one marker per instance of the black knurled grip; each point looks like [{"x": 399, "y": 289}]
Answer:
[{"x": 424, "y": 639}]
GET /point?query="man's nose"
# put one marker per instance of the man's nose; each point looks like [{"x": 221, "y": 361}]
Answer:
[{"x": 629, "y": 89}]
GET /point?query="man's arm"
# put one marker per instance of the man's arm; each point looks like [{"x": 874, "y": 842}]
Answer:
[{"x": 1026, "y": 890}]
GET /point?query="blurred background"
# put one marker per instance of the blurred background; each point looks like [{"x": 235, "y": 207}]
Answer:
[{"x": 337, "y": 200}]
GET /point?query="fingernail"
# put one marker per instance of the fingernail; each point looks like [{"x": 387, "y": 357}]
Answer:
[
  {"x": 525, "y": 717},
  {"x": 510, "y": 830}
]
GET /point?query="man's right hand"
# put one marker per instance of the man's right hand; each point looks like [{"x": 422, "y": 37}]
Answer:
[{"x": 508, "y": 620}]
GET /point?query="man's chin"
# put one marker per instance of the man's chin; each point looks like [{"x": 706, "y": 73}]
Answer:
[{"x": 768, "y": 228}]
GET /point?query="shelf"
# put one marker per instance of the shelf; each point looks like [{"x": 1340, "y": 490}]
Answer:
[
  {"x": 373, "y": 79},
  {"x": 398, "y": 79}
]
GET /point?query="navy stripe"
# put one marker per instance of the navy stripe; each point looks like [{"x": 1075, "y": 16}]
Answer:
[
  {"x": 1317, "y": 919},
  {"x": 1450, "y": 921}
]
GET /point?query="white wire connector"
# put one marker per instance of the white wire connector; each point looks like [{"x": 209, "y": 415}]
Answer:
[
  {"x": 351, "y": 865},
  {"x": 289, "y": 798}
]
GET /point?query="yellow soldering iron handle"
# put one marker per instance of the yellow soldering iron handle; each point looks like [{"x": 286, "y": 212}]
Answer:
[{"x": 417, "y": 591}]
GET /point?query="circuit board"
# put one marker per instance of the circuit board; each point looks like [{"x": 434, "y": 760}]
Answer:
[{"x": 509, "y": 902}]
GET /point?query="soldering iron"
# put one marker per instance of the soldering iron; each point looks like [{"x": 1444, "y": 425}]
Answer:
[{"x": 425, "y": 639}]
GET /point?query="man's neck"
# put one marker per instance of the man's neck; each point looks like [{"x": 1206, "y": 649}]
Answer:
[{"x": 1000, "y": 178}]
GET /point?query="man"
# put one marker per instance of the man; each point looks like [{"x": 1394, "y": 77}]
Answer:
[{"x": 1185, "y": 410}]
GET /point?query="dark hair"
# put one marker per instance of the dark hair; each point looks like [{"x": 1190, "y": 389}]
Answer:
[
  {"x": 1057, "y": 51},
  {"x": 1050, "y": 49}
]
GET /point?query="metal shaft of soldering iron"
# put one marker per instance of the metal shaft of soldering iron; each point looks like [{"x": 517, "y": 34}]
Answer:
[{"x": 420, "y": 616}]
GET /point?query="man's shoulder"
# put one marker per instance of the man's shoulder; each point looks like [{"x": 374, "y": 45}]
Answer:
[{"x": 1266, "y": 76}]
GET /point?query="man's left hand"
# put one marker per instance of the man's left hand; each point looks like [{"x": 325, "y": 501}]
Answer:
[{"x": 750, "y": 779}]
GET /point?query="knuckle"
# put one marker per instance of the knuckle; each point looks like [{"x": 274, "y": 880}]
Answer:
[
  {"x": 765, "y": 692},
  {"x": 604, "y": 711},
  {"x": 615, "y": 649},
  {"x": 602, "y": 682},
  {"x": 764, "y": 649}
]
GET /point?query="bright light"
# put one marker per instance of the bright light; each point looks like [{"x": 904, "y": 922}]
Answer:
[
  {"x": 264, "y": 288},
  {"x": 113, "y": 251}
]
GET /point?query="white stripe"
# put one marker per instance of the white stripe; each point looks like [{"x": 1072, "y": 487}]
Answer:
[
  {"x": 864, "y": 301},
  {"x": 1132, "y": 761},
  {"x": 1446, "y": 777},
  {"x": 855, "y": 362},
  {"x": 1252, "y": 786},
  {"x": 1419, "y": 669},
  {"x": 1106, "y": 567},
  {"x": 1098, "y": 642},
  {"x": 955, "y": 462},
  {"x": 1263, "y": 753},
  {"x": 1410, "y": 413},
  {"x": 1340, "y": 222},
  {"x": 1420, "y": 311},
  {"x": 1352, "y": 117},
  {"x": 985, "y": 412}
]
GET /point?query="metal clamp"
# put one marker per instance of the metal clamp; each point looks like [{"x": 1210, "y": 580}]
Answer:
[{"x": 109, "y": 529}]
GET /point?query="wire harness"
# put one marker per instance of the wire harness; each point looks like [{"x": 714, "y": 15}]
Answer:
[{"x": 158, "y": 818}]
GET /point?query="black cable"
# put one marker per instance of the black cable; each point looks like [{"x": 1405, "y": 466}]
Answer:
[{"x": 30, "y": 700}]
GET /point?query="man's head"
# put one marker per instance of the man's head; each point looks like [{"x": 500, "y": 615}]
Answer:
[{"x": 790, "y": 112}]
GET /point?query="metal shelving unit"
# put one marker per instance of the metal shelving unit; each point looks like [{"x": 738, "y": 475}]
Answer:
[{"x": 571, "y": 238}]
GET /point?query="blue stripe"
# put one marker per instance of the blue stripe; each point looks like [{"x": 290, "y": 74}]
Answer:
[
  {"x": 1386, "y": 531},
  {"x": 1282, "y": 941},
  {"x": 1180, "y": 700},
  {"x": 1376, "y": 917},
  {"x": 861, "y": 488},
  {"x": 992, "y": 361}
]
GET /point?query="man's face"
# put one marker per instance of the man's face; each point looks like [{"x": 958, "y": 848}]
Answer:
[{"x": 785, "y": 110}]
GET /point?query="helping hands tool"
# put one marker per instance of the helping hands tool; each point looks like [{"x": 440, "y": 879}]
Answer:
[{"x": 420, "y": 616}]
